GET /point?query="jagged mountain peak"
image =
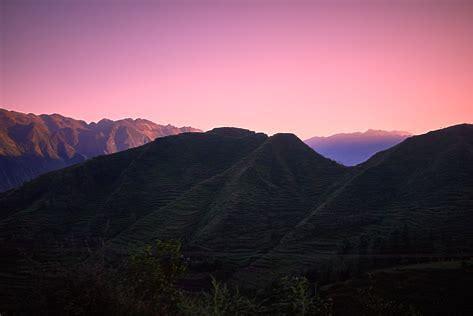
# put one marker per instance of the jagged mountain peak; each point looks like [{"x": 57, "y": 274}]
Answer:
[{"x": 33, "y": 144}]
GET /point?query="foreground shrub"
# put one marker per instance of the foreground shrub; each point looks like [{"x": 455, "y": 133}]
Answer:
[
  {"x": 220, "y": 300},
  {"x": 296, "y": 296},
  {"x": 148, "y": 280}
]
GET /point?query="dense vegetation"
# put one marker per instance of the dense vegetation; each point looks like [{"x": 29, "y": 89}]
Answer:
[{"x": 147, "y": 283}]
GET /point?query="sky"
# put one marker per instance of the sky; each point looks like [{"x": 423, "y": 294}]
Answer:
[{"x": 305, "y": 67}]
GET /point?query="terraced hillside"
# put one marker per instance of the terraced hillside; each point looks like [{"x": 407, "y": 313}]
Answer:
[
  {"x": 89, "y": 202},
  {"x": 244, "y": 211},
  {"x": 31, "y": 145},
  {"x": 229, "y": 189},
  {"x": 413, "y": 200},
  {"x": 259, "y": 204}
]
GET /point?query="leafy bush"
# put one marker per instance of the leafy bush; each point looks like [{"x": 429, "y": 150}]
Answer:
[
  {"x": 295, "y": 296},
  {"x": 374, "y": 304},
  {"x": 150, "y": 276},
  {"x": 221, "y": 300}
]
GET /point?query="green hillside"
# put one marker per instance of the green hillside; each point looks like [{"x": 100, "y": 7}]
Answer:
[
  {"x": 258, "y": 205},
  {"x": 67, "y": 214},
  {"x": 244, "y": 211},
  {"x": 415, "y": 199}
]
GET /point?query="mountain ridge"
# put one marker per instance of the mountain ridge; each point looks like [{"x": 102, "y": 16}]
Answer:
[
  {"x": 424, "y": 178},
  {"x": 354, "y": 148},
  {"x": 260, "y": 205},
  {"x": 34, "y": 144}
]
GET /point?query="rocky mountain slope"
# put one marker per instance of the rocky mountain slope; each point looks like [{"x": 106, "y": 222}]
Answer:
[{"x": 34, "y": 144}]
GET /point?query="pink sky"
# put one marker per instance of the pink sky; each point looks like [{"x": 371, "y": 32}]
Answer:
[{"x": 311, "y": 69}]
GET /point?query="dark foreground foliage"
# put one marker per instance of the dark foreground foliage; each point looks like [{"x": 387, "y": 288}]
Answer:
[
  {"x": 433, "y": 288},
  {"x": 147, "y": 284}
]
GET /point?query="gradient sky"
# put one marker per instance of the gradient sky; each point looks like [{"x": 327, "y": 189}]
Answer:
[{"x": 310, "y": 68}]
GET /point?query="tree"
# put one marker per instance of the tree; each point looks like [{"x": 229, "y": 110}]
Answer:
[{"x": 151, "y": 274}]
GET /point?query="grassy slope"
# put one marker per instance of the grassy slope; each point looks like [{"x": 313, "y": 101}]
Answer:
[
  {"x": 67, "y": 213},
  {"x": 421, "y": 188},
  {"x": 241, "y": 213}
]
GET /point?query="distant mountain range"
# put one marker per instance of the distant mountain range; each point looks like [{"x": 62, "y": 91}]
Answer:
[
  {"x": 34, "y": 144},
  {"x": 351, "y": 149},
  {"x": 263, "y": 206}
]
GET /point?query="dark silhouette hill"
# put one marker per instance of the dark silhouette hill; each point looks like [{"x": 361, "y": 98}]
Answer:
[
  {"x": 34, "y": 144},
  {"x": 246, "y": 209},
  {"x": 229, "y": 191},
  {"x": 261, "y": 205},
  {"x": 415, "y": 199},
  {"x": 351, "y": 149}
]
